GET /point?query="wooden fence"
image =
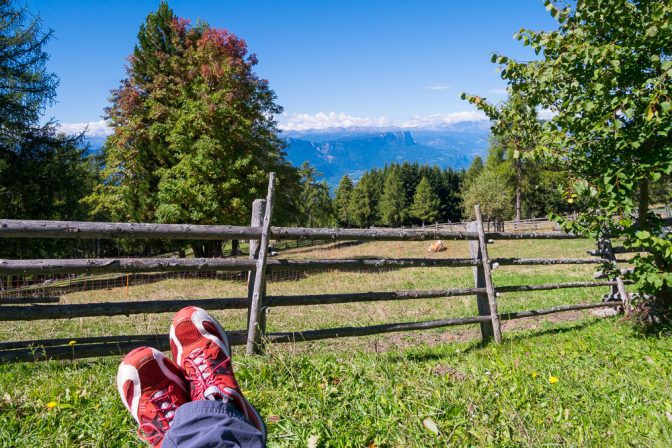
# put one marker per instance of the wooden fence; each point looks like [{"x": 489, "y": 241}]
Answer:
[
  {"x": 260, "y": 233},
  {"x": 523, "y": 225}
]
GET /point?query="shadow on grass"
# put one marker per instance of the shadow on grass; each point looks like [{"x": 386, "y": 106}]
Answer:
[{"x": 435, "y": 355}]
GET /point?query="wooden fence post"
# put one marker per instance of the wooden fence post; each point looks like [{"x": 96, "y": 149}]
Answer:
[
  {"x": 257, "y": 220},
  {"x": 479, "y": 282},
  {"x": 487, "y": 303},
  {"x": 254, "y": 330},
  {"x": 618, "y": 291}
]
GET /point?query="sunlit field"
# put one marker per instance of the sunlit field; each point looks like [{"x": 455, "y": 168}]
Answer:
[{"x": 561, "y": 380}]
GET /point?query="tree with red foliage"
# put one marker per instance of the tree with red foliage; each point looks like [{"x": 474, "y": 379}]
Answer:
[{"x": 194, "y": 130}]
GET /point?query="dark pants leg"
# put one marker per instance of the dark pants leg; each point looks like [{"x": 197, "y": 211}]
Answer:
[{"x": 211, "y": 424}]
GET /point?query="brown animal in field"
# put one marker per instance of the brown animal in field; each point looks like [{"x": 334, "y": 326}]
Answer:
[{"x": 436, "y": 246}]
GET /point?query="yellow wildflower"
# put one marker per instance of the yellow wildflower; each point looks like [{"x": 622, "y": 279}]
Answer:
[
  {"x": 73, "y": 342},
  {"x": 534, "y": 375},
  {"x": 51, "y": 405},
  {"x": 553, "y": 379}
]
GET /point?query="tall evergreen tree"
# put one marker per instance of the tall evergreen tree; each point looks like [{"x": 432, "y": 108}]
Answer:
[
  {"x": 315, "y": 204},
  {"x": 342, "y": 201},
  {"x": 425, "y": 203},
  {"x": 155, "y": 42},
  {"x": 410, "y": 176},
  {"x": 43, "y": 175},
  {"x": 392, "y": 207},
  {"x": 27, "y": 86},
  {"x": 362, "y": 206},
  {"x": 451, "y": 195},
  {"x": 473, "y": 171}
]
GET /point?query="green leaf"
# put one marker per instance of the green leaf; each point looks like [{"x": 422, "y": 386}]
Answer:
[
  {"x": 643, "y": 234},
  {"x": 652, "y": 31}
]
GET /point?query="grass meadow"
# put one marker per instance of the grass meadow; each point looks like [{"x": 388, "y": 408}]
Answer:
[{"x": 569, "y": 379}]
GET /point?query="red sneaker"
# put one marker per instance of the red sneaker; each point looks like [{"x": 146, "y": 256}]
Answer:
[
  {"x": 200, "y": 347},
  {"x": 152, "y": 388}
]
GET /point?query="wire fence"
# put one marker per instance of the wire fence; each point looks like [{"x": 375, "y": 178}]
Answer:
[{"x": 124, "y": 286}]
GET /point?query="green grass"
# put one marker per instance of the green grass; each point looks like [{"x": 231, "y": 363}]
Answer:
[{"x": 613, "y": 388}]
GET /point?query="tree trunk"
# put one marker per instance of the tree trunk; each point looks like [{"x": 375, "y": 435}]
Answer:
[
  {"x": 235, "y": 248},
  {"x": 197, "y": 247},
  {"x": 643, "y": 207},
  {"x": 519, "y": 188},
  {"x": 213, "y": 249},
  {"x": 661, "y": 309}
]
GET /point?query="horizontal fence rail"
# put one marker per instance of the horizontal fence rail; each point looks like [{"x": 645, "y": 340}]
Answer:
[
  {"x": 13, "y": 228},
  {"x": 95, "y": 346},
  {"x": 551, "y": 286},
  {"x": 25, "y": 300},
  {"x": 135, "y": 265},
  {"x": 10, "y": 228}
]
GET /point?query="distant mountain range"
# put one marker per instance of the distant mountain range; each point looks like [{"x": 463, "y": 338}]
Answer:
[
  {"x": 338, "y": 151},
  {"x": 335, "y": 152}
]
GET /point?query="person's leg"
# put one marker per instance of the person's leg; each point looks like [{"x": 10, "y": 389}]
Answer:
[
  {"x": 208, "y": 423},
  {"x": 201, "y": 349},
  {"x": 152, "y": 388}
]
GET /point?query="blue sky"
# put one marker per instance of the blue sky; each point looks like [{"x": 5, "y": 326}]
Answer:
[{"x": 331, "y": 63}]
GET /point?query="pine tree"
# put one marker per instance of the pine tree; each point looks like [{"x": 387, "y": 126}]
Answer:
[
  {"x": 43, "y": 175},
  {"x": 27, "y": 86},
  {"x": 392, "y": 203},
  {"x": 315, "y": 204},
  {"x": 155, "y": 41},
  {"x": 361, "y": 205},
  {"x": 342, "y": 201},
  {"x": 474, "y": 170},
  {"x": 425, "y": 203}
]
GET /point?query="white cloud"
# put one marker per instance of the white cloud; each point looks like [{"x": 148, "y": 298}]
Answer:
[
  {"x": 419, "y": 121},
  {"x": 439, "y": 87},
  {"x": 93, "y": 128},
  {"x": 322, "y": 120},
  {"x": 546, "y": 114}
]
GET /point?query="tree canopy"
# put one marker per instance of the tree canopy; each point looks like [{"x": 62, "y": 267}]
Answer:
[
  {"x": 604, "y": 76},
  {"x": 516, "y": 126},
  {"x": 426, "y": 203},
  {"x": 393, "y": 208},
  {"x": 194, "y": 131},
  {"x": 27, "y": 86}
]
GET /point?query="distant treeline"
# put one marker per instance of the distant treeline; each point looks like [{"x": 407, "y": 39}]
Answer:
[{"x": 399, "y": 194}]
